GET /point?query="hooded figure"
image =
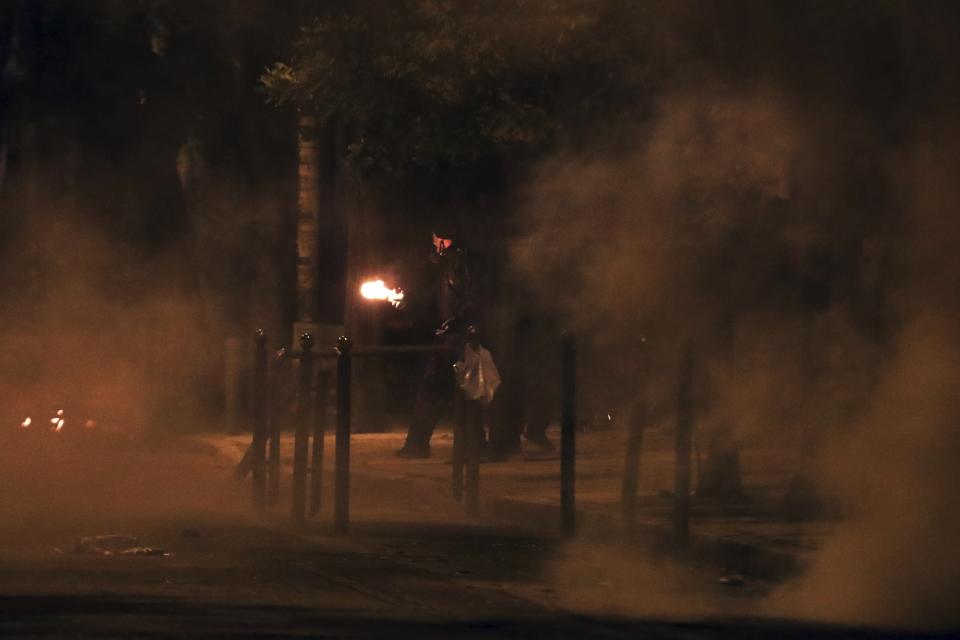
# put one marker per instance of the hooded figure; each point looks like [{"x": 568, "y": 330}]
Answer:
[{"x": 452, "y": 306}]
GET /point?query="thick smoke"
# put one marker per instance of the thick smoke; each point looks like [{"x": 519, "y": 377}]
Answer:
[
  {"x": 142, "y": 201},
  {"x": 675, "y": 236},
  {"x": 895, "y": 560},
  {"x": 129, "y": 343},
  {"x": 729, "y": 223},
  {"x": 131, "y": 339}
]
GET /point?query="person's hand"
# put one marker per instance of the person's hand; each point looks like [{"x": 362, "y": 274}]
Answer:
[{"x": 442, "y": 330}]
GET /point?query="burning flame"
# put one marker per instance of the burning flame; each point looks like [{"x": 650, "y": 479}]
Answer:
[
  {"x": 57, "y": 422},
  {"x": 377, "y": 290}
]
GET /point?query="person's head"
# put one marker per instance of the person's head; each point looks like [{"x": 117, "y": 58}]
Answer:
[
  {"x": 444, "y": 236},
  {"x": 441, "y": 244}
]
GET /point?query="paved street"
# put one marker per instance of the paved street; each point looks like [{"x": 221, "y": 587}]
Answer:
[
  {"x": 386, "y": 580},
  {"x": 752, "y": 536},
  {"x": 411, "y": 565}
]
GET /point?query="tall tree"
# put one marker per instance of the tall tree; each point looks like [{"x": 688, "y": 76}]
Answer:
[{"x": 308, "y": 213}]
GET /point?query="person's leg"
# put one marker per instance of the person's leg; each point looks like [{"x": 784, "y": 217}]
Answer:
[
  {"x": 432, "y": 399},
  {"x": 536, "y": 401},
  {"x": 537, "y": 422},
  {"x": 506, "y": 415}
]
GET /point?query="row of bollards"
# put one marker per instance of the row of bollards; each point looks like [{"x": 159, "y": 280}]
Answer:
[
  {"x": 341, "y": 498},
  {"x": 260, "y": 411},
  {"x": 276, "y": 364},
  {"x": 302, "y": 429},
  {"x": 311, "y": 422},
  {"x": 635, "y": 426},
  {"x": 683, "y": 444},
  {"x": 319, "y": 430},
  {"x": 568, "y": 435}
]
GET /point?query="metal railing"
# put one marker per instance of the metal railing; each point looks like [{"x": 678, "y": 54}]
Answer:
[{"x": 311, "y": 422}]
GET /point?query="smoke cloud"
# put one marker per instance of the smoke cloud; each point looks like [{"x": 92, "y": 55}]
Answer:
[
  {"x": 812, "y": 261},
  {"x": 895, "y": 559},
  {"x": 128, "y": 341},
  {"x": 620, "y": 243}
]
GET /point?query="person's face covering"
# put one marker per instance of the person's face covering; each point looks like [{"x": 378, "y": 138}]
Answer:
[{"x": 441, "y": 244}]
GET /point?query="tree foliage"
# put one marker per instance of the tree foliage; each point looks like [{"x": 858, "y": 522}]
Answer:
[{"x": 428, "y": 82}]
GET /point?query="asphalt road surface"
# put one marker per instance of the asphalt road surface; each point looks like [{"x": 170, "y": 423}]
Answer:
[
  {"x": 401, "y": 573},
  {"x": 227, "y": 578}
]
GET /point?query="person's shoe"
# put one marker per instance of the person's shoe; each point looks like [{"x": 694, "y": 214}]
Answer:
[{"x": 412, "y": 453}]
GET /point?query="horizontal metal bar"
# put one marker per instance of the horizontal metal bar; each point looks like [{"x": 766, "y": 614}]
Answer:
[
  {"x": 379, "y": 350},
  {"x": 319, "y": 353},
  {"x": 403, "y": 350}
]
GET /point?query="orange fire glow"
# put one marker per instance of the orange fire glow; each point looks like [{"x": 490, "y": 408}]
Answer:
[{"x": 377, "y": 290}]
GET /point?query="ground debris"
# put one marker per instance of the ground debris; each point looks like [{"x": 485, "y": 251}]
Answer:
[
  {"x": 105, "y": 544},
  {"x": 731, "y": 580},
  {"x": 144, "y": 551},
  {"x": 115, "y": 544}
]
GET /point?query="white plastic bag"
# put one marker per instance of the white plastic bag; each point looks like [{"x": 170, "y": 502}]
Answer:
[{"x": 477, "y": 375}]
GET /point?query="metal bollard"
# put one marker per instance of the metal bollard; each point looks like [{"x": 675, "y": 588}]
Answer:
[
  {"x": 302, "y": 435},
  {"x": 273, "y": 424},
  {"x": 568, "y": 443},
  {"x": 685, "y": 421},
  {"x": 260, "y": 402},
  {"x": 319, "y": 430},
  {"x": 472, "y": 425},
  {"x": 631, "y": 465},
  {"x": 459, "y": 403},
  {"x": 341, "y": 503}
]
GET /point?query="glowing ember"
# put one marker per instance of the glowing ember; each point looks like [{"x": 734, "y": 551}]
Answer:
[
  {"x": 377, "y": 290},
  {"x": 26, "y": 423},
  {"x": 90, "y": 423},
  {"x": 57, "y": 421}
]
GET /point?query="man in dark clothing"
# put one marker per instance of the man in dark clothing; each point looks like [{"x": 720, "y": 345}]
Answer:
[
  {"x": 535, "y": 358},
  {"x": 530, "y": 350},
  {"x": 450, "y": 294}
]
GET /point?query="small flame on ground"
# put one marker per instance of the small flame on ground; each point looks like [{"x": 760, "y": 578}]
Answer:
[
  {"x": 377, "y": 290},
  {"x": 57, "y": 421},
  {"x": 26, "y": 423}
]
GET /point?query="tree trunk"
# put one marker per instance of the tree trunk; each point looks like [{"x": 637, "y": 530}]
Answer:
[
  {"x": 362, "y": 319},
  {"x": 3, "y": 159},
  {"x": 308, "y": 213}
]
